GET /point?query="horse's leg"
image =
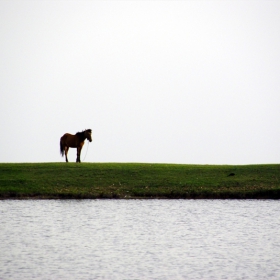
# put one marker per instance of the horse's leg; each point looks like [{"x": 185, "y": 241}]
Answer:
[
  {"x": 79, "y": 149},
  {"x": 78, "y": 154},
  {"x": 66, "y": 152},
  {"x": 82, "y": 144}
]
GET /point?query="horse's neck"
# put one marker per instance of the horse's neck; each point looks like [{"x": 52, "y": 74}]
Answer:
[{"x": 81, "y": 136}]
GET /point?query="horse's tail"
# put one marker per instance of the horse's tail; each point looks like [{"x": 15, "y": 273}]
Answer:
[{"x": 61, "y": 148}]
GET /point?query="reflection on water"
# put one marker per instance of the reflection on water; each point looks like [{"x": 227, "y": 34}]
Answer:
[{"x": 140, "y": 239}]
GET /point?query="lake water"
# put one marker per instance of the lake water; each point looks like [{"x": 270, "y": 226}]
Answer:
[{"x": 140, "y": 239}]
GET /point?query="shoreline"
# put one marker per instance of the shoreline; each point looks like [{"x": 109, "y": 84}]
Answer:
[{"x": 138, "y": 181}]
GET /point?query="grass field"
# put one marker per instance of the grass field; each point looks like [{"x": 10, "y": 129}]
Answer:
[{"x": 133, "y": 180}]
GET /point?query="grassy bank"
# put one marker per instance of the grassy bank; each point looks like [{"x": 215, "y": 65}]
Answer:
[{"x": 129, "y": 180}]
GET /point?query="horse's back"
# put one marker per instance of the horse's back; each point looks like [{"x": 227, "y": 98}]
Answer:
[
  {"x": 69, "y": 140},
  {"x": 65, "y": 136}
]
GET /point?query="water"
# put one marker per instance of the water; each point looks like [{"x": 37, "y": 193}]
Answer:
[{"x": 140, "y": 239}]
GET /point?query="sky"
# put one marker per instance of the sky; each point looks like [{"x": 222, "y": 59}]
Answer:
[{"x": 187, "y": 82}]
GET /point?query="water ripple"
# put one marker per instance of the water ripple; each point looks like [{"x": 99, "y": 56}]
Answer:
[{"x": 140, "y": 239}]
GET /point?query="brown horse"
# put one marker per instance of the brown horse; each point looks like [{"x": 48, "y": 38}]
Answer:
[{"x": 74, "y": 141}]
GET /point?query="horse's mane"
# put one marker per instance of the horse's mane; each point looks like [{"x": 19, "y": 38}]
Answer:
[{"x": 81, "y": 134}]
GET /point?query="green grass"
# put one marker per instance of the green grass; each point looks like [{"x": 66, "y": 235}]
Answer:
[{"x": 133, "y": 180}]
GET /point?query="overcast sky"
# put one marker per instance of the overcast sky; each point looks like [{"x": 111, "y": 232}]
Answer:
[{"x": 195, "y": 82}]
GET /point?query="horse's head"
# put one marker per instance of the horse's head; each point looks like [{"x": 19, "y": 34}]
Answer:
[{"x": 88, "y": 135}]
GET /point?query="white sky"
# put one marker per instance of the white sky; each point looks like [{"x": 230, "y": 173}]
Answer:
[{"x": 195, "y": 82}]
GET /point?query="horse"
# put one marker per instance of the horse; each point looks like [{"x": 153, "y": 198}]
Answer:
[{"x": 74, "y": 141}]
